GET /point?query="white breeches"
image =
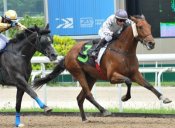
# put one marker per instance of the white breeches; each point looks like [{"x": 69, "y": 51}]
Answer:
[{"x": 3, "y": 41}]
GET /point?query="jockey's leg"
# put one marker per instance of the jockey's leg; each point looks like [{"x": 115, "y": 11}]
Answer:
[{"x": 100, "y": 44}]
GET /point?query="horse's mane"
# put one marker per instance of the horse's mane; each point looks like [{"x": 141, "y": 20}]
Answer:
[
  {"x": 136, "y": 16},
  {"x": 22, "y": 35},
  {"x": 139, "y": 16}
]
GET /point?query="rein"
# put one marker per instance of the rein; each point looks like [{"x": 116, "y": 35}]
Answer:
[
  {"x": 33, "y": 45},
  {"x": 37, "y": 40},
  {"x": 121, "y": 52},
  {"x": 135, "y": 33}
]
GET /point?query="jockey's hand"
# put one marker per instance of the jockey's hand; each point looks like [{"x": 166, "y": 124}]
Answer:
[
  {"x": 14, "y": 23},
  {"x": 115, "y": 35},
  {"x": 108, "y": 38}
]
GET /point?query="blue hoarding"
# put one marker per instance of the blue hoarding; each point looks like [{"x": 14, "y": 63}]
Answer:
[{"x": 78, "y": 17}]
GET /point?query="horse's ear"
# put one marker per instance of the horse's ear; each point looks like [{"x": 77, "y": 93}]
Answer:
[
  {"x": 133, "y": 19},
  {"x": 47, "y": 26},
  {"x": 36, "y": 28},
  {"x": 143, "y": 17}
]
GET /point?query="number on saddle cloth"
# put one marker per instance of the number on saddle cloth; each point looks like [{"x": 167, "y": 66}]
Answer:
[
  {"x": 85, "y": 50},
  {"x": 83, "y": 55}
]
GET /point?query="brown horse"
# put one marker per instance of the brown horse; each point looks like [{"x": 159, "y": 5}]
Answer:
[{"x": 119, "y": 64}]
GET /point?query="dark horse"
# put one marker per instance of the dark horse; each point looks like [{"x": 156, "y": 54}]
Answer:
[
  {"x": 15, "y": 65},
  {"x": 119, "y": 64}
]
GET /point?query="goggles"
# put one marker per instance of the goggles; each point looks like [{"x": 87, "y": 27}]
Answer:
[{"x": 120, "y": 20}]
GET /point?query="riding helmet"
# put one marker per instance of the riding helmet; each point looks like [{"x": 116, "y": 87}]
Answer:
[
  {"x": 11, "y": 15},
  {"x": 121, "y": 14}
]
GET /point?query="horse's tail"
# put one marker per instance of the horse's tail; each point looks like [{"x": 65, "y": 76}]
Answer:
[{"x": 60, "y": 67}]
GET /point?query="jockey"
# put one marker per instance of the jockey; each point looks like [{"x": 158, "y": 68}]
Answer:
[
  {"x": 111, "y": 29},
  {"x": 7, "y": 21}
]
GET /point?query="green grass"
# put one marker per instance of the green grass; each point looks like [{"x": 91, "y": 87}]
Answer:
[{"x": 114, "y": 110}]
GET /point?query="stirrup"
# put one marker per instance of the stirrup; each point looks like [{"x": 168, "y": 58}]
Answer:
[{"x": 93, "y": 53}]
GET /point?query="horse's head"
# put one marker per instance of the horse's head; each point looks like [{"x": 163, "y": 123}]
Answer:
[
  {"x": 144, "y": 31},
  {"x": 44, "y": 42}
]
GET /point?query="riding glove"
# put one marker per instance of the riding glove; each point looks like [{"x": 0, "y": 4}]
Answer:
[{"x": 14, "y": 23}]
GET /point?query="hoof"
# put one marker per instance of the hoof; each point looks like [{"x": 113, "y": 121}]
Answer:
[
  {"x": 106, "y": 113},
  {"x": 19, "y": 126},
  {"x": 86, "y": 121},
  {"x": 166, "y": 101},
  {"x": 47, "y": 109},
  {"x": 125, "y": 98}
]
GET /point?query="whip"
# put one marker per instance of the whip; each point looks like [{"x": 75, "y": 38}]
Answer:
[{"x": 23, "y": 27}]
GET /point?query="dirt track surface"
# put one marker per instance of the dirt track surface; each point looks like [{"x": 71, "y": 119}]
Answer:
[{"x": 41, "y": 121}]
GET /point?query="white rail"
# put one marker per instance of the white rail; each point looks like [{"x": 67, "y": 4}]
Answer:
[{"x": 141, "y": 58}]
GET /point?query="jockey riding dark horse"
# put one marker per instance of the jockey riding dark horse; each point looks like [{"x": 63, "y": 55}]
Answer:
[{"x": 15, "y": 63}]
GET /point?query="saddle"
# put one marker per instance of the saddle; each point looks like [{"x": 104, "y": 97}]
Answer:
[{"x": 84, "y": 55}]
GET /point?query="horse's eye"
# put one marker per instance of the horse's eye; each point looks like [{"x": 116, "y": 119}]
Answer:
[{"x": 140, "y": 27}]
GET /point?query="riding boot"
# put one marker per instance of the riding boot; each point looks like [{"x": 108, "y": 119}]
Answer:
[{"x": 100, "y": 44}]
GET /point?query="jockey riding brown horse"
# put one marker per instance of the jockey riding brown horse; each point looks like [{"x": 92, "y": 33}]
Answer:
[{"x": 119, "y": 64}]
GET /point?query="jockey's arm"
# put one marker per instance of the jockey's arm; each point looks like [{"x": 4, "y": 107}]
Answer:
[
  {"x": 106, "y": 26},
  {"x": 4, "y": 26}
]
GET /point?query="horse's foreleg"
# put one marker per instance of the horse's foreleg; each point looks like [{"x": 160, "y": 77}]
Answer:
[
  {"x": 81, "y": 97},
  {"x": 19, "y": 96},
  {"x": 128, "y": 93},
  {"x": 141, "y": 81},
  {"x": 118, "y": 78},
  {"x": 25, "y": 87}
]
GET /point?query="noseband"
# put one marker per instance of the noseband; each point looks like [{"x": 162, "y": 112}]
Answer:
[
  {"x": 135, "y": 33},
  {"x": 36, "y": 45}
]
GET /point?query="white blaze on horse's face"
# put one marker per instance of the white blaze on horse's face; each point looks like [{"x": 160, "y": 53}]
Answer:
[
  {"x": 144, "y": 32},
  {"x": 134, "y": 29}
]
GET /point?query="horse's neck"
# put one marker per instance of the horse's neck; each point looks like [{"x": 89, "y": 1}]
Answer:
[
  {"x": 23, "y": 47},
  {"x": 126, "y": 41},
  {"x": 28, "y": 50}
]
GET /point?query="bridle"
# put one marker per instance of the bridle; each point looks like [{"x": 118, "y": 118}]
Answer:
[
  {"x": 136, "y": 36},
  {"x": 35, "y": 45}
]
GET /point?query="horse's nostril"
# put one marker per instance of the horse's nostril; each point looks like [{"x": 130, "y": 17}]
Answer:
[
  {"x": 151, "y": 44},
  {"x": 54, "y": 54}
]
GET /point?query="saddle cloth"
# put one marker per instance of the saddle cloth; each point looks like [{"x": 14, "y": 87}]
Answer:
[{"x": 84, "y": 54}]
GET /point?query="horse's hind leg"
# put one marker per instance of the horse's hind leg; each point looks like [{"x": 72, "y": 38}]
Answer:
[
  {"x": 19, "y": 96},
  {"x": 81, "y": 97},
  {"x": 141, "y": 81}
]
